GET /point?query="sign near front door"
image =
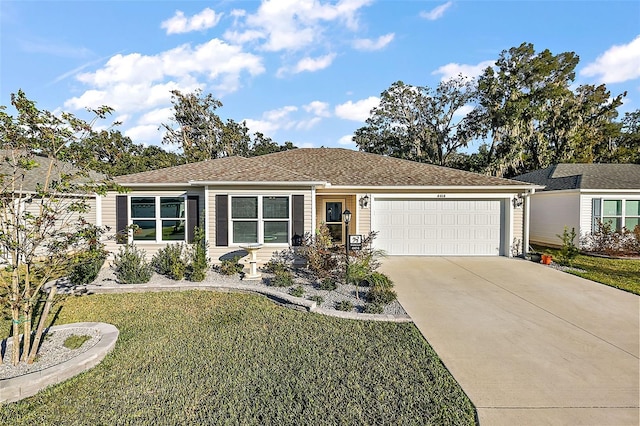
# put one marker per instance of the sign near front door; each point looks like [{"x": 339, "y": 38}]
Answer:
[{"x": 355, "y": 242}]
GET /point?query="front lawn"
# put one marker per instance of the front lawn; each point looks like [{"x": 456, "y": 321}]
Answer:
[
  {"x": 203, "y": 357},
  {"x": 620, "y": 273}
]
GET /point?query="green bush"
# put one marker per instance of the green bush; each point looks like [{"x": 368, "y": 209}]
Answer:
[
  {"x": 231, "y": 266},
  {"x": 86, "y": 266},
  {"x": 378, "y": 279},
  {"x": 373, "y": 308},
  {"x": 319, "y": 252},
  {"x": 381, "y": 295},
  {"x": 170, "y": 261},
  {"x": 569, "y": 250},
  {"x": 316, "y": 298},
  {"x": 200, "y": 263},
  {"x": 297, "y": 291},
  {"x": 282, "y": 279},
  {"x": 280, "y": 261},
  {"x": 328, "y": 283},
  {"x": 131, "y": 266},
  {"x": 344, "y": 305}
]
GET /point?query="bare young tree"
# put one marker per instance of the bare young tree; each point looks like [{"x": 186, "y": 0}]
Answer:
[{"x": 43, "y": 204}]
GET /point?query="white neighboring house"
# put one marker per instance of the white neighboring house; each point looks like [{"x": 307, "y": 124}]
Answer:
[{"x": 579, "y": 195}]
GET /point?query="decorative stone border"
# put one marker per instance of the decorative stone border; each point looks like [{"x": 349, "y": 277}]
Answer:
[
  {"x": 273, "y": 294},
  {"x": 17, "y": 388}
]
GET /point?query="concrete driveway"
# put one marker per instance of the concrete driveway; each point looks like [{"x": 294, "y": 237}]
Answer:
[{"x": 529, "y": 345}]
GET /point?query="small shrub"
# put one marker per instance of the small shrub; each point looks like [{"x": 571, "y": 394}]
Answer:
[
  {"x": 344, "y": 305},
  {"x": 373, "y": 308},
  {"x": 569, "y": 250},
  {"x": 328, "y": 283},
  {"x": 378, "y": 279},
  {"x": 75, "y": 341},
  {"x": 282, "y": 279},
  {"x": 131, "y": 266},
  {"x": 274, "y": 265},
  {"x": 381, "y": 295},
  {"x": 199, "y": 262},
  {"x": 297, "y": 291},
  {"x": 170, "y": 261},
  {"x": 316, "y": 298},
  {"x": 318, "y": 251},
  {"x": 231, "y": 266},
  {"x": 86, "y": 266}
]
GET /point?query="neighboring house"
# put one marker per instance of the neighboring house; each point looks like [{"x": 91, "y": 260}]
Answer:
[
  {"x": 25, "y": 189},
  {"x": 418, "y": 209},
  {"x": 579, "y": 195}
]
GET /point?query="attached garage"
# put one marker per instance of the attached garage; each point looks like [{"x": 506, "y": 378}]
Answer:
[{"x": 439, "y": 227}]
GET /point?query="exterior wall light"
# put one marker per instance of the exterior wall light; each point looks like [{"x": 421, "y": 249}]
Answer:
[{"x": 364, "y": 202}]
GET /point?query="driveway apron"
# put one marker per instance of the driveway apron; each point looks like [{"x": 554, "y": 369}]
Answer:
[{"x": 529, "y": 345}]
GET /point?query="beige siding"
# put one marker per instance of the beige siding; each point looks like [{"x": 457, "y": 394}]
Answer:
[
  {"x": 109, "y": 215},
  {"x": 517, "y": 246},
  {"x": 364, "y": 216},
  {"x": 267, "y": 251}
]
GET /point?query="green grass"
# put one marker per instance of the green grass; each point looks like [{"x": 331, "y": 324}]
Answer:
[
  {"x": 620, "y": 273},
  {"x": 218, "y": 358},
  {"x": 75, "y": 341}
]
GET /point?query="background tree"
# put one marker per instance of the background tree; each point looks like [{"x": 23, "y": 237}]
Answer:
[
  {"x": 42, "y": 203},
  {"x": 200, "y": 132},
  {"x": 419, "y": 123},
  {"x": 262, "y": 145},
  {"x": 112, "y": 153},
  {"x": 627, "y": 142}
]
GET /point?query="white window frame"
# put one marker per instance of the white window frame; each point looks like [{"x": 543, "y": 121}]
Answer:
[
  {"x": 157, "y": 218},
  {"x": 260, "y": 219},
  {"x": 623, "y": 212}
]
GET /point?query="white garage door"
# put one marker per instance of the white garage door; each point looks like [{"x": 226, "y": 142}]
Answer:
[{"x": 438, "y": 227}]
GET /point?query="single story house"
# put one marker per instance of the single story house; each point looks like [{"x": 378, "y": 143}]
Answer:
[
  {"x": 579, "y": 195},
  {"x": 22, "y": 185},
  {"x": 418, "y": 209}
]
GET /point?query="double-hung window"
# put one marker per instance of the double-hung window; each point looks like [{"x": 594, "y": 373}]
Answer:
[
  {"x": 158, "y": 218},
  {"x": 260, "y": 219},
  {"x": 616, "y": 213}
]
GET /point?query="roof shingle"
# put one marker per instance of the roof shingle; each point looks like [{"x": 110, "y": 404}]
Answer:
[{"x": 585, "y": 176}]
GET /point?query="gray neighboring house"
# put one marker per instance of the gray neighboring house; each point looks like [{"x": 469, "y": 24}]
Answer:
[
  {"x": 579, "y": 195},
  {"x": 418, "y": 209},
  {"x": 37, "y": 176}
]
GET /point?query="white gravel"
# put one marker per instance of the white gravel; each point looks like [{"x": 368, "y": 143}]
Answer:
[
  {"x": 302, "y": 278},
  {"x": 52, "y": 351}
]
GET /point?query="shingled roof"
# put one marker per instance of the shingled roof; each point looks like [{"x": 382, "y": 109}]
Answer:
[
  {"x": 334, "y": 166},
  {"x": 585, "y": 176}
]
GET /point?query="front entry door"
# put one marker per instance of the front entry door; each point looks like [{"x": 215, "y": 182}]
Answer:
[{"x": 333, "y": 219}]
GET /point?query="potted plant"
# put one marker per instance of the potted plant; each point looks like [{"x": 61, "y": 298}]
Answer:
[{"x": 546, "y": 259}]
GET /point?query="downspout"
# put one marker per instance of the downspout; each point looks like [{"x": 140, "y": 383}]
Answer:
[
  {"x": 527, "y": 214},
  {"x": 206, "y": 214}
]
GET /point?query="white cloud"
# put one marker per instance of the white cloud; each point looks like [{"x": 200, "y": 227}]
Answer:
[
  {"x": 453, "y": 70},
  {"x": 314, "y": 64},
  {"x": 156, "y": 116},
  {"x": 273, "y": 120},
  {"x": 357, "y": 111},
  {"x": 346, "y": 140},
  {"x": 308, "y": 124},
  {"x": 146, "y": 134},
  {"x": 137, "y": 82},
  {"x": 437, "y": 12},
  {"x": 294, "y": 24},
  {"x": 368, "y": 44},
  {"x": 618, "y": 64},
  {"x": 179, "y": 24},
  {"x": 463, "y": 111},
  {"x": 318, "y": 108}
]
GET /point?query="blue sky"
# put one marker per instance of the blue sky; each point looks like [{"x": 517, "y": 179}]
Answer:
[{"x": 303, "y": 71}]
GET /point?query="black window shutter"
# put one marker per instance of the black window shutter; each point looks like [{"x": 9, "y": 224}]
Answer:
[
  {"x": 193, "y": 216},
  {"x": 298, "y": 215},
  {"x": 222, "y": 220},
  {"x": 122, "y": 213}
]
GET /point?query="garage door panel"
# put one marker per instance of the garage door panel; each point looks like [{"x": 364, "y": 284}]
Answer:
[{"x": 438, "y": 227}]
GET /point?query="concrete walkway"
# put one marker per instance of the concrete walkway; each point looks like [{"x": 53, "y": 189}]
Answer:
[{"x": 530, "y": 345}]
